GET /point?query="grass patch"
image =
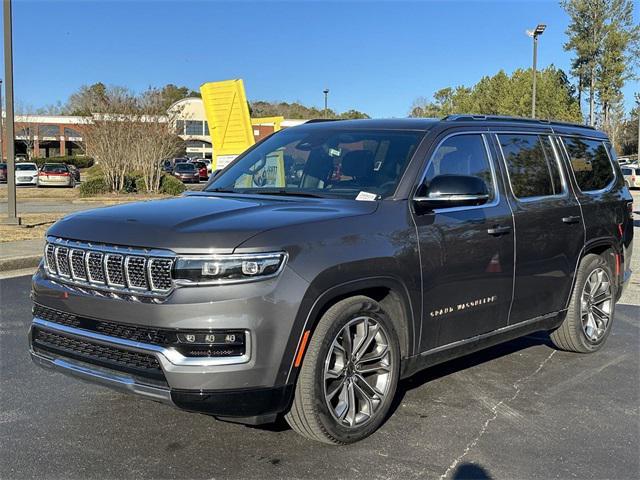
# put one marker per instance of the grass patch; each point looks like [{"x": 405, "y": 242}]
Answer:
[{"x": 34, "y": 225}]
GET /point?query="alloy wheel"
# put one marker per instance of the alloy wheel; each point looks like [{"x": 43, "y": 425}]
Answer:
[
  {"x": 358, "y": 371},
  {"x": 596, "y": 304}
]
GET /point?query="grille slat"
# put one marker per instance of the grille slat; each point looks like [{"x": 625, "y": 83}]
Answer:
[
  {"x": 62, "y": 261},
  {"x": 114, "y": 267},
  {"x": 135, "y": 270},
  {"x": 78, "y": 268},
  {"x": 50, "y": 255},
  {"x": 103, "y": 267},
  {"x": 94, "y": 267}
]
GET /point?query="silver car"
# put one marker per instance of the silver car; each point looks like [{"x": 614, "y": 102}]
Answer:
[
  {"x": 55, "y": 175},
  {"x": 631, "y": 174}
]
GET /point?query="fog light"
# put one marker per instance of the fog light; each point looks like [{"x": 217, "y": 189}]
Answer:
[{"x": 210, "y": 338}]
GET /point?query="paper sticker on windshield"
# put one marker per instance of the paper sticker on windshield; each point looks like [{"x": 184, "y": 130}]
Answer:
[
  {"x": 334, "y": 152},
  {"x": 366, "y": 197}
]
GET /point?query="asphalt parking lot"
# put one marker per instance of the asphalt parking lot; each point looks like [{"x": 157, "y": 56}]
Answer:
[{"x": 519, "y": 410}]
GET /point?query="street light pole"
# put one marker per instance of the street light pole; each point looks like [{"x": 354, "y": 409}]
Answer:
[
  {"x": 1, "y": 121},
  {"x": 638, "y": 114},
  {"x": 12, "y": 217},
  {"x": 326, "y": 95},
  {"x": 535, "y": 34}
]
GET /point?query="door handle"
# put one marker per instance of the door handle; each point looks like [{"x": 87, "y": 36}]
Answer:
[
  {"x": 571, "y": 219},
  {"x": 498, "y": 230}
]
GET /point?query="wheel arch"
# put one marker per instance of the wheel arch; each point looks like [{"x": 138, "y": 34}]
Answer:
[{"x": 390, "y": 292}]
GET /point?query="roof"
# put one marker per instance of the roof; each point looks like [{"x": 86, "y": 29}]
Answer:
[
  {"x": 428, "y": 123},
  {"x": 389, "y": 123}
]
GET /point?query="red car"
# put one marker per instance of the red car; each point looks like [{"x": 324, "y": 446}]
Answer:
[
  {"x": 202, "y": 170},
  {"x": 186, "y": 172},
  {"x": 3, "y": 172}
]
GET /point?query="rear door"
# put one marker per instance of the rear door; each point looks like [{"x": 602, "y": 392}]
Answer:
[{"x": 549, "y": 231}]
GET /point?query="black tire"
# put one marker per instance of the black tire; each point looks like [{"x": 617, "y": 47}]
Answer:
[
  {"x": 570, "y": 335},
  {"x": 310, "y": 415}
]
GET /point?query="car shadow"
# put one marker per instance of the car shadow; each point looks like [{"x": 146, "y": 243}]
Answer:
[
  {"x": 468, "y": 361},
  {"x": 470, "y": 471}
]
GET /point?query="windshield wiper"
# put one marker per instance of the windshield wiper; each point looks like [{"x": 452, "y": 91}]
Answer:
[
  {"x": 285, "y": 192},
  {"x": 221, "y": 190}
]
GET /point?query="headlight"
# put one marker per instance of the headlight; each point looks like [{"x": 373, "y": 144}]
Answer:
[{"x": 216, "y": 269}]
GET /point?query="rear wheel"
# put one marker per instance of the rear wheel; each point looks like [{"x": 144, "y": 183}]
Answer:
[
  {"x": 590, "y": 314},
  {"x": 349, "y": 374}
]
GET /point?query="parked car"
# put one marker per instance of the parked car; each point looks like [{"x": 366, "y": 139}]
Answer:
[
  {"x": 312, "y": 297},
  {"x": 26, "y": 173},
  {"x": 55, "y": 175},
  {"x": 3, "y": 172},
  {"x": 186, "y": 172},
  {"x": 75, "y": 172},
  {"x": 202, "y": 170},
  {"x": 207, "y": 161},
  {"x": 631, "y": 175}
]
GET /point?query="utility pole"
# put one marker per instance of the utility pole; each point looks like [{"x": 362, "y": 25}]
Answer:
[
  {"x": 638, "y": 114},
  {"x": 12, "y": 217},
  {"x": 1, "y": 122},
  {"x": 535, "y": 33},
  {"x": 326, "y": 95}
]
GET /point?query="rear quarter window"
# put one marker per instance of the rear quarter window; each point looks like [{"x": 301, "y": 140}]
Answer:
[{"x": 590, "y": 163}]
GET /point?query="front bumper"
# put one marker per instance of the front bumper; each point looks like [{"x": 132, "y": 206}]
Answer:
[{"x": 240, "y": 386}]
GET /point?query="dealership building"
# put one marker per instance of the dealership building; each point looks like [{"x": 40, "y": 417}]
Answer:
[{"x": 60, "y": 135}]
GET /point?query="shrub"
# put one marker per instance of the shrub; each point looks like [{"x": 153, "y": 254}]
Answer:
[
  {"x": 79, "y": 162},
  {"x": 170, "y": 185},
  {"x": 141, "y": 185},
  {"x": 94, "y": 186},
  {"x": 94, "y": 171}
]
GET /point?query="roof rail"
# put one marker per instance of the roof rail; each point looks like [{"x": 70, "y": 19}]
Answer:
[
  {"x": 319, "y": 120},
  {"x": 504, "y": 118}
]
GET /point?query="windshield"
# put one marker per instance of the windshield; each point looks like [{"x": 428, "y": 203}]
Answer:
[
  {"x": 185, "y": 167},
  {"x": 27, "y": 166},
  {"x": 322, "y": 162}
]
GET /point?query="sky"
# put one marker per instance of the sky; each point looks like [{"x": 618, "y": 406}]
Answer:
[{"x": 377, "y": 57}]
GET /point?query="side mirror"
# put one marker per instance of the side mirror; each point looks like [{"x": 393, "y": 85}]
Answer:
[{"x": 446, "y": 191}]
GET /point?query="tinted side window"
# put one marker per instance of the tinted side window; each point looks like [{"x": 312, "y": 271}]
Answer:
[
  {"x": 590, "y": 163},
  {"x": 533, "y": 168},
  {"x": 462, "y": 155}
]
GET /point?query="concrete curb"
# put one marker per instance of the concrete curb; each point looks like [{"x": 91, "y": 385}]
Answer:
[{"x": 18, "y": 263}]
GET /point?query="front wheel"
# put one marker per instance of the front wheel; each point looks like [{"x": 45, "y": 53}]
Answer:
[
  {"x": 590, "y": 315},
  {"x": 349, "y": 375}
]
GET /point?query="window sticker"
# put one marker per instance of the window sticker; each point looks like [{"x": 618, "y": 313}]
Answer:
[
  {"x": 271, "y": 175},
  {"x": 367, "y": 197},
  {"x": 334, "y": 152}
]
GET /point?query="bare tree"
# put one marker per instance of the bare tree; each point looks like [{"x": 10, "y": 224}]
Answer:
[{"x": 132, "y": 136}]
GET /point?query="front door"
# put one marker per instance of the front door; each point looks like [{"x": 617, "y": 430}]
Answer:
[
  {"x": 548, "y": 225},
  {"x": 466, "y": 253}
]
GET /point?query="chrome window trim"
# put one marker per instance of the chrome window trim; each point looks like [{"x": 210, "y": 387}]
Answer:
[
  {"x": 537, "y": 198},
  {"x": 610, "y": 185},
  {"x": 483, "y": 135},
  {"x": 169, "y": 354}
]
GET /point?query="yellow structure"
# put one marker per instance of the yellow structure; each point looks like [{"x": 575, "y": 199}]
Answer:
[
  {"x": 227, "y": 111},
  {"x": 275, "y": 121}
]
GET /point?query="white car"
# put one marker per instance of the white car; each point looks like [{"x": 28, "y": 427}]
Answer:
[
  {"x": 26, "y": 173},
  {"x": 631, "y": 174}
]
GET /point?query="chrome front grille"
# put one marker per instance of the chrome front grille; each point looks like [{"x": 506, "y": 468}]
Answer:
[{"x": 112, "y": 268}]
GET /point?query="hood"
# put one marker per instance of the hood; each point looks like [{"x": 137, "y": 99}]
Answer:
[{"x": 200, "y": 222}]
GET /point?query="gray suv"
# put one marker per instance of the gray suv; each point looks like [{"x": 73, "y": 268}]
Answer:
[{"x": 335, "y": 258}]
